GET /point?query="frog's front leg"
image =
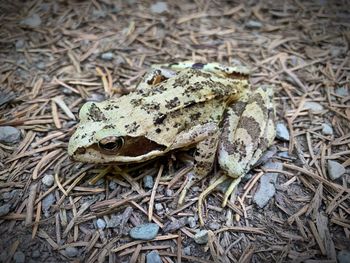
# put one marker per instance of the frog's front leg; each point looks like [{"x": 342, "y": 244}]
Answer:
[{"x": 205, "y": 137}]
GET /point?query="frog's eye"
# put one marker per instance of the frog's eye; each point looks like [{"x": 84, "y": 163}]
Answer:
[{"x": 111, "y": 143}]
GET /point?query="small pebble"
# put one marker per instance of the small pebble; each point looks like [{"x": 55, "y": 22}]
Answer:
[
  {"x": 148, "y": 182},
  {"x": 284, "y": 155},
  {"x": 9, "y": 134},
  {"x": 19, "y": 257},
  {"x": 107, "y": 56},
  {"x": 326, "y": 129},
  {"x": 335, "y": 169},
  {"x": 214, "y": 225},
  {"x": 159, "y": 7},
  {"x": 343, "y": 256},
  {"x": 201, "y": 237},
  {"x": 169, "y": 192},
  {"x": 19, "y": 44},
  {"x": 267, "y": 188},
  {"x": 114, "y": 221},
  {"x": 46, "y": 203},
  {"x": 33, "y": 21},
  {"x": 313, "y": 106},
  {"x": 101, "y": 224},
  {"x": 153, "y": 257},
  {"x": 112, "y": 185},
  {"x": 282, "y": 132},
  {"x": 253, "y": 24},
  {"x": 40, "y": 65},
  {"x": 172, "y": 226},
  {"x": 96, "y": 97},
  {"x": 48, "y": 180},
  {"x": 5, "y": 209},
  {"x": 144, "y": 232},
  {"x": 71, "y": 252},
  {"x": 158, "y": 206},
  {"x": 342, "y": 91},
  {"x": 35, "y": 254},
  {"x": 187, "y": 251},
  {"x": 191, "y": 221}
]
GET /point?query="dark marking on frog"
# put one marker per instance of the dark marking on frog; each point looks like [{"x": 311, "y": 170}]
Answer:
[
  {"x": 95, "y": 114},
  {"x": 159, "y": 119},
  {"x": 109, "y": 126},
  {"x": 158, "y": 130},
  {"x": 172, "y": 103},
  {"x": 136, "y": 102},
  {"x": 198, "y": 65},
  {"x": 131, "y": 128},
  {"x": 111, "y": 107},
  {"x": 153, "y": 106},
  {"x": 195, "y": 116}
]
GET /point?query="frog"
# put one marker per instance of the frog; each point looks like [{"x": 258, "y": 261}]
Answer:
[{"x": 209, "y": 107}]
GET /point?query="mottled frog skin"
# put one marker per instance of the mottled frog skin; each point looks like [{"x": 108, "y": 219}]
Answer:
[{"x": 184, "y": 105}]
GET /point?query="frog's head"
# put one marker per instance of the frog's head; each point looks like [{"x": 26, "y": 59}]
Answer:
[{"x": 99, "y": 139}]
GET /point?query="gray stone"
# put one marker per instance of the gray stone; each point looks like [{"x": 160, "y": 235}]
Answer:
[
  {"x": 5, "y": 209},
  {"x": 114, "y": 221},
  {"x": 46, "y": 204},
  {"x": 35, "y": 254},
  {"x": 187, "y": 251},
  {"x": 148, "y": 182},
  {"x": 282, "y": 132},
  {"x": 96, "y": 97},
  {"x": 71, "y": 252},
  {"x": 327, "y": 129},
  {"x": 153, "y": 257},
  {"x": 169, "y": 192},
  {"x": 159, "y": 7},
  {"x": 9, "y": 134},
  {"x": 214, "y": 225},
  {"x": 284, "y": 155},
  {"x": 112, "y": 185},
  {"x": 335, "y": 169},
  {"x": 40, "y": 65},
  {"x": 107, "y": 56},
  {"x": 342, "y": 91},
  {"x": 144, "y": 232},
  {"x": 343, "y": 256},
  {"x": 19, "y": 257},
  {"x": 101, "y": 224},
  {"x": 314, "y": 107},
  {"x": 3, "y": 256},
  {"x": 266, "y": 188},
  {"x": 48, "y": 180},
  {"x": 191, "y": 221},
  {"x": 19, "y": 44},
  {"x": 253, "y": 24},
  {"x": 158, "y": 207},
  {"x": 201, "y": 237},
  {"x": 33, "y": 21}
]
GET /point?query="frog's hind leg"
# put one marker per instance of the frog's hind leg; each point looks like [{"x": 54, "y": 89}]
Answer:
[{"x": 252, "y": 133}]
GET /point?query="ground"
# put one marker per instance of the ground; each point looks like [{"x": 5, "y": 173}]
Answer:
[{"x": 55, "y": 55}]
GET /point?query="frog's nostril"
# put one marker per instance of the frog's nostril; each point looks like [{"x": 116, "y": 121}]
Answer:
[{"x": 80, "y": 150}]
